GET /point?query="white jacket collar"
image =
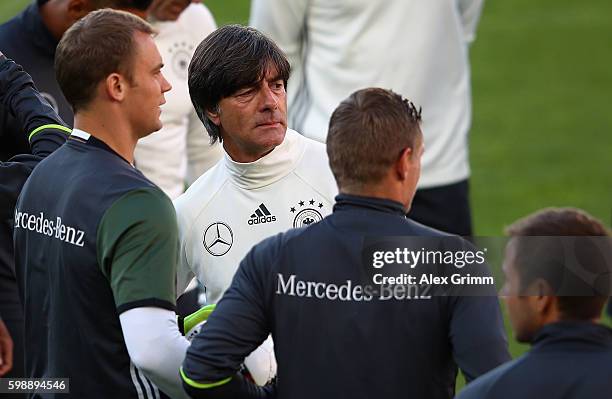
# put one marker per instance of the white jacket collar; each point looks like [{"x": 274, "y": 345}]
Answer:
[{"x": 270, "y": 168}]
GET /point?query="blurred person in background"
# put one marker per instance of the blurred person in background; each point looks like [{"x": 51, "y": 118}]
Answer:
[
  {"x": 416, "y": 48},
  {"x": 551, "y": 308},
  {"x": 30, "y": 38},
  {"x": 181, "y": 151},
  {"x": 45, "y": 132},
  {"x": 357, "y": 344}
]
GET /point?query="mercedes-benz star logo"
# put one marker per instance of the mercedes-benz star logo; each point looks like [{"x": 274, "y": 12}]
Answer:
[{"x": 218, "y": 238}]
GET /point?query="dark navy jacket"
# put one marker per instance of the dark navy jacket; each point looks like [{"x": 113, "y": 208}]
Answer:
[
  {"x": 19, "y": 98},
  {"x": 68, "y": 302},
  {"x": 568, "y": 360},
  {"x": 27, "y": 40},
  {"x": 334, "y": 342}
]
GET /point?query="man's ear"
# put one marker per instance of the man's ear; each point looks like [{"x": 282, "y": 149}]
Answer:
[
  {"x": 77, "y": 9},
  {"x": 543, "y": 296},
  {"x": 214, "y": 116},
  {"x": 115, "y": 87},
  {"x": 403, "y": 163}
]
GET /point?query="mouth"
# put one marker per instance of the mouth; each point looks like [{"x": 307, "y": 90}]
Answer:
[{"x": 269, "y": 124}]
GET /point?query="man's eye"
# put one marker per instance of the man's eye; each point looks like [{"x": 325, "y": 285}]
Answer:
[{"x": 278, "y": 85}]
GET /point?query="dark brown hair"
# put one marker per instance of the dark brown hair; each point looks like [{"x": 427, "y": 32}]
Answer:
[
  {"x": 97, "y": 45},
  {"x": 539, "y": 253},
  {"x": 135, "y": 4},
  {"x": 229, "y": 59},
  {"x": 122, "y": 4},
  {"x": 367, "y": 133}
]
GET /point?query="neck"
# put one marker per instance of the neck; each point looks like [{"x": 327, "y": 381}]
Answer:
[
  {"x": 244, "y": 157},
  {"x": 594, "y": 320},
  {"x": 114, "y": 132},
  {"x": 378, "y": 191},
  {"x": 53, "y": 18}
]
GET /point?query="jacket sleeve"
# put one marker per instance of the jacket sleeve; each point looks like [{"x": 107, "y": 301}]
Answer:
[
  {"x": 476, "y": 326},
  {"x": 285, "y": 22},
  {"x": 150, "y": 327},
  {"x": 238, "y": 326},
  {"x": 477, "y": 335},
  {"x": 469, "y": 12},
  {"x": 45, "y": 129}
]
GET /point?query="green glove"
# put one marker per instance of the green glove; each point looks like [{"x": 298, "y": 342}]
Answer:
[{"x": 191, "y": 325}]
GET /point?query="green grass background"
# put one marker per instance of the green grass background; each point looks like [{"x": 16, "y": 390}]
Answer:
[{"x": 542, "y": 88}]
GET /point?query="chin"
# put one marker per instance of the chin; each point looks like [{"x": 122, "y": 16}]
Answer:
[
  {"x": 268, "y": 136},
  {"x": 157, "y": 125},
  {"x": 150, "y": 130},
  {"x": 523, "y": 337},
  {"x": 278, "y": 135}
]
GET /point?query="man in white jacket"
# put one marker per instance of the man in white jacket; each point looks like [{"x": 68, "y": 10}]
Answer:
[
  {"x": 270, "y": 178},
  {"x": 417, "y": 48},
  {"x": 181, "y": 151}
]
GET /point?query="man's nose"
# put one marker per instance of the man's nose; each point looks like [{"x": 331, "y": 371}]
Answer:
[
  {"x": 165, "y": 85},
  {"x": 269, "y": 98}
]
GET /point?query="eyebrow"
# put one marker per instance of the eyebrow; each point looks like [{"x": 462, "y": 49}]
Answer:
[
  {"x": 257, "y": 84},
  {"x": 275, "y": 78}
]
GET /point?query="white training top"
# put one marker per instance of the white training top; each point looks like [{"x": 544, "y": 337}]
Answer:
[
  {"x": 180, "y": 152},
  {"x": 418, "y": 48},
  {"x": 235, "y": 205}
]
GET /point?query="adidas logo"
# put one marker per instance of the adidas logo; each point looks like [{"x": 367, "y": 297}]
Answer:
[{"x": 261, "y": 215}]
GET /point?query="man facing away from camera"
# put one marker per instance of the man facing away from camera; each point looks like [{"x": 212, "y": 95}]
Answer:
[
  {"x": 95, "y": 241},
  {"x": 329, "y": 345},
  {"x": 556, "y": 308},
  {"x": 417, "y": 48}
]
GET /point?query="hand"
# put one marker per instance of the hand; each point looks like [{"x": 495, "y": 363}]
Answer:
[
  {"x": 6, "y": 350},
  {"x": 261, "y": 363},
  {"x": 191, "y": 325}
]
